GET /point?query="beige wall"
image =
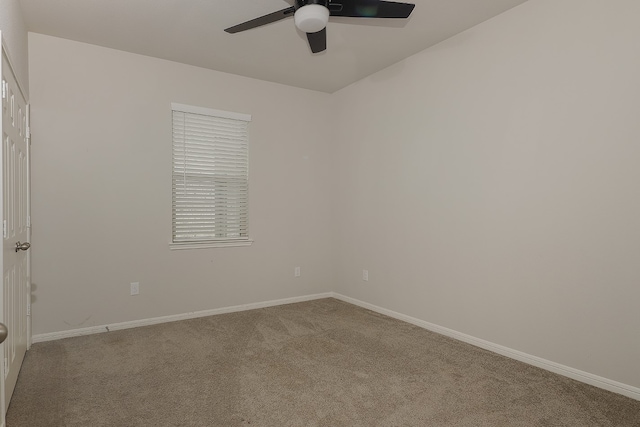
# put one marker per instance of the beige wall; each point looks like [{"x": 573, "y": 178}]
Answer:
[
  {"x": 14, "y": 36},
  {"x": 102, "y": 189},
  {"x": 490, "y": 184}
]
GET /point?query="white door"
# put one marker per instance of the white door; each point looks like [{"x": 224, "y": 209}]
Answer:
[{"x": 15, "y": 193}]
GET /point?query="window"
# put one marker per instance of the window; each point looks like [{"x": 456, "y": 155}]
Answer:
[{"x": 210, "y": 178}]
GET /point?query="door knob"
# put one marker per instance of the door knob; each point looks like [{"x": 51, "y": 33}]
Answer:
[
  {"x": 22, "y": 246},
  {"x": 3, "y": 332}
]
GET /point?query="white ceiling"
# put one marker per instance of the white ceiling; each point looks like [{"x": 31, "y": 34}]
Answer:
[{"x": 192, "y": 32}]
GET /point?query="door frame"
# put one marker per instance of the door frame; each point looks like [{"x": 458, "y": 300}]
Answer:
[{"x": 4, "y": 51}]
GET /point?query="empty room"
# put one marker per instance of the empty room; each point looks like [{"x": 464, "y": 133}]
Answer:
[{"x": 320, "y": 213}]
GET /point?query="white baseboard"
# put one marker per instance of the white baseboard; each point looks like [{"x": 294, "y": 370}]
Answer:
[
  {"x": 576, "y": 374},
  {"x": 172, "y": 318}
]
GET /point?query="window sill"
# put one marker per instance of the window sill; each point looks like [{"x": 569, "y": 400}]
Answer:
[{"x": 211, "y": 244}]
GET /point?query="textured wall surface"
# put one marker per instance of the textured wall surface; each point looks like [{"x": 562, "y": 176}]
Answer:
[
  {"x": 490, "y": 184},
  {"x": 102, "y": 189}
]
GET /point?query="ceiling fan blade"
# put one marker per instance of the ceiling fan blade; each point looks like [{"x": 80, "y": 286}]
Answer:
[
  {"x": 263, "y": 20},
  {"x": 318, "y": 41},
  {"x": 370, "y": 9}
]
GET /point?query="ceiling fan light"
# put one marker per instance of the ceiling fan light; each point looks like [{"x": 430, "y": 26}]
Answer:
[{"x": 311, "y": 18}]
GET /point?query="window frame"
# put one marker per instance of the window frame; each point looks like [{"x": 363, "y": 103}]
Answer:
[{"x": 209, "y": 243}]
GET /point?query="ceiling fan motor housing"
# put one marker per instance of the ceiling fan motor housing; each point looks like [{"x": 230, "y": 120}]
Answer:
[
  {"x": 300, "y": 3},
  {"x": 311, "y": 15}
]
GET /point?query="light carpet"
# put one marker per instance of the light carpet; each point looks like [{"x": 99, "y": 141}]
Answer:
[{"x": 316, "y": 363}]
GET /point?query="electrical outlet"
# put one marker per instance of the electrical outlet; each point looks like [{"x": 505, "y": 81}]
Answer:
[
  {"x": 365, "y": 275},
  {"x": 296, "y": 272},
  {"x": 135, "y": 288}
]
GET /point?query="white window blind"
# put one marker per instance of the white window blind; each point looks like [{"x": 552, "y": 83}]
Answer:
[{"x": 210, "y": 176}]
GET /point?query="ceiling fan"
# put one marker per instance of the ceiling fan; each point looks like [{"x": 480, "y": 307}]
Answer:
[{"x": 311, "y": 16}]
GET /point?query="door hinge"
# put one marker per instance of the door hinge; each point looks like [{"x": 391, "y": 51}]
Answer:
[
  {"x": 28, "y": 305},
  {"x": 4, "y": 228},
  {"x": 28, "y": 220},
  {"x": 4, "y": 89}
]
